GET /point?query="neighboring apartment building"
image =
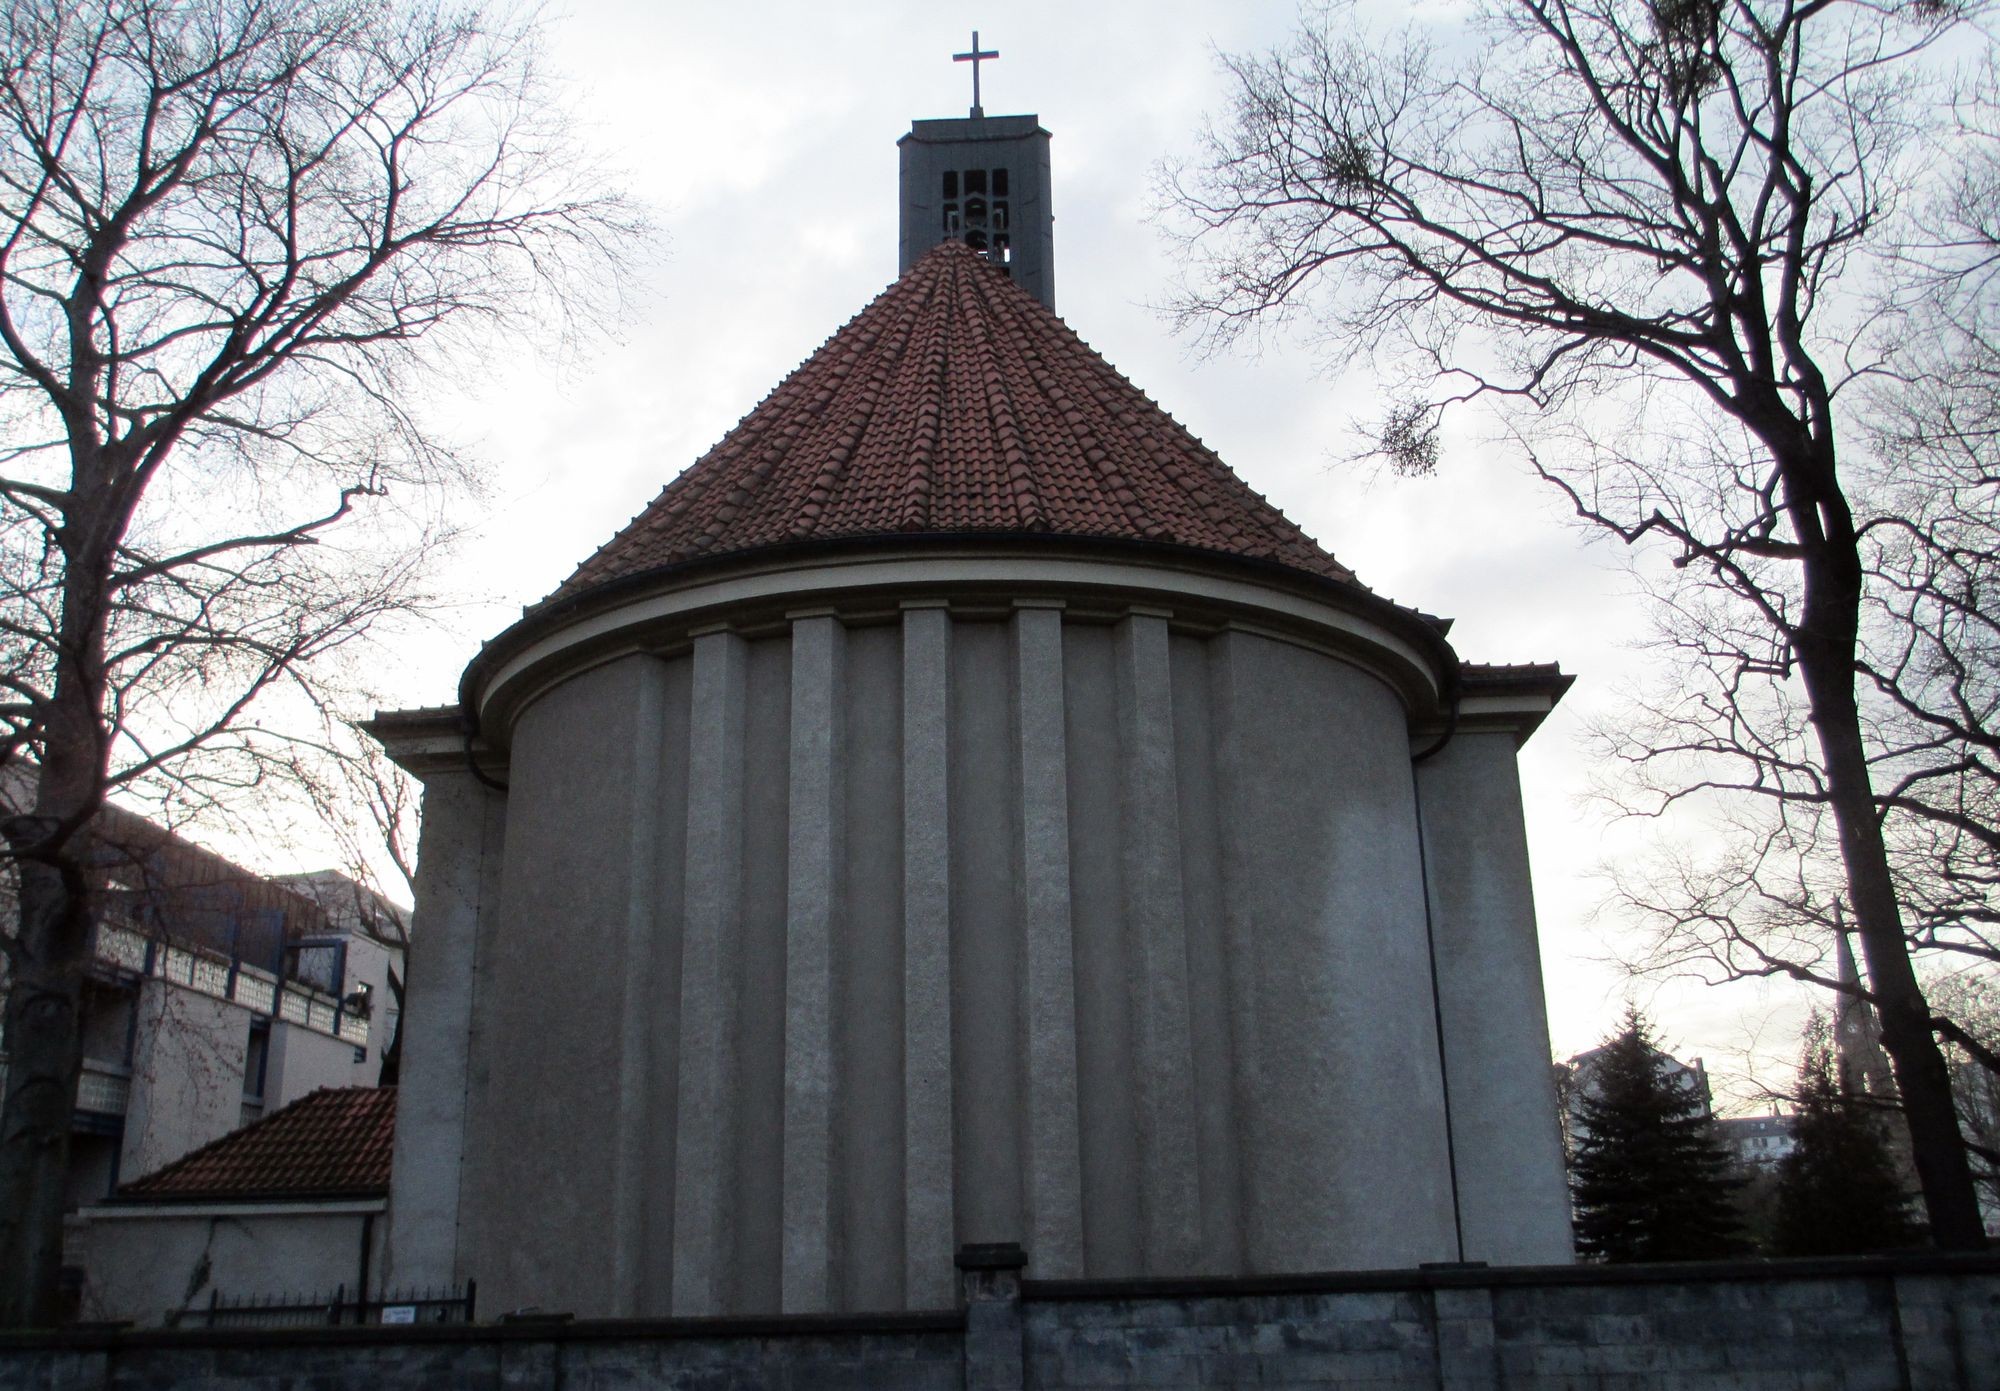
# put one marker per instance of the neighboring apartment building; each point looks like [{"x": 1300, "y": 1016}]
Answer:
[
  {"x": 1579, "y": 1076},
  {"x": 215, "y": 996},
  {"x": 1752, "y": 1140},
  {"x": 1758, "y": 1141}
]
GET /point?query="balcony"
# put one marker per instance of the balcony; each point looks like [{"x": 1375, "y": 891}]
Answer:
[
  {"x": 102, "y": 1089},
  {"x": 215, "y": 975}
]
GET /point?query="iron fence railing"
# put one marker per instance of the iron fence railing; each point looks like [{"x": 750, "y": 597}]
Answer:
[{"x": 450, "y": 1305}]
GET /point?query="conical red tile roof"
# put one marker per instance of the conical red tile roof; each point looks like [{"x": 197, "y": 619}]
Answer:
[{"x": 954, "y": 403}]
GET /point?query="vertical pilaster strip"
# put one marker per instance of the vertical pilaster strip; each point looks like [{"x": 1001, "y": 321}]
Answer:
[
  {"x": 1156, "y": 923},
  {"x": 1054, "y": 1187},
  {"x": 818, "y": 783},
  {"x": 630, "y": 1177},
  {"x": 1243, "y": 958},
  {"x": 458, "y": 891},
  {"x": 705, "y": 1113},
  {"x": 929, "y": 1235}
]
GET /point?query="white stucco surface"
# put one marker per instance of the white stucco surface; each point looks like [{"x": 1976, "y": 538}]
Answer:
[
  {"x": 144, "y": 1263},
  {"x": 187, "y": 1075}
]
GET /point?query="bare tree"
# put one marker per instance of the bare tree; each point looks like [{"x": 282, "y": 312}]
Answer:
[
  {"x": 1637, "y": 226},
  {"x": 233, "y": 236},
  {"x": 1973, "y": 1002},
  {"x": 1923, "y": 479}
]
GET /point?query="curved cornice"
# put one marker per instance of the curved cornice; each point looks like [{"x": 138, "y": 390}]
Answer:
[{"x": 660, "y": 608}]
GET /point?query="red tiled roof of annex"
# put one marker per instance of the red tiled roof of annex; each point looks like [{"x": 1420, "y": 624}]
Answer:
[
  {"x": 332, "y": 1143},
  {"x": 955, "y": 402}
]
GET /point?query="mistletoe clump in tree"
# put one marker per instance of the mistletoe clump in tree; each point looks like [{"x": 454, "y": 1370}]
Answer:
[
  {"x": 1839, "y": 1192},
  {"x": 1649, "y": 1179}
]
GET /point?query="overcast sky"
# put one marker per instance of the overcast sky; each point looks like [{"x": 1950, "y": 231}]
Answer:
[{"x": 763, "y": 135}]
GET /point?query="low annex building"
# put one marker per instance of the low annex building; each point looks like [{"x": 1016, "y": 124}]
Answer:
[
  {"x": 958, "y": 809},
  {"x": 288, "y": 1203}
]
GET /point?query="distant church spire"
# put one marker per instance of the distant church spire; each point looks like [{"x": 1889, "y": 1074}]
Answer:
[
  {"x": 1864, "y": 1066},
  {"x": 983, "y": 181}
]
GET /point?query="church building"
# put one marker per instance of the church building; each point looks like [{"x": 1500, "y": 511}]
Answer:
[{"x": 958, "y": 809}]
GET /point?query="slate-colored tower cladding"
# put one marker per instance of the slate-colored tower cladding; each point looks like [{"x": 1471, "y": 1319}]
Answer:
[{"x": 983, "y": 180}]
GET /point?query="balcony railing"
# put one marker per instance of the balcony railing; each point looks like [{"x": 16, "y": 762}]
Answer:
[
  {"x": 103, "y": 1089},
  {"x": 217, "y": 976}
]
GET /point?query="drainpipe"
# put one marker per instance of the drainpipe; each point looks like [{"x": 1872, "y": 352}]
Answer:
[
  {"x": 1430, "y": 945},
  {"x": 367, "y": 1253}
]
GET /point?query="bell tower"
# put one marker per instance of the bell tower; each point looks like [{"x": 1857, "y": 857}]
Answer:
[{"x": 982, "y": 180}]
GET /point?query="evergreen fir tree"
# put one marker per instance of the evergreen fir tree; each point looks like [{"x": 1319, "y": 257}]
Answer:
[
  {"x": 1649, "y": 1177},
  {"x": 1838, "y": 1190}
]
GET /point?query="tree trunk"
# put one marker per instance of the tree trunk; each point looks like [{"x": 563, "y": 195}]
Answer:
[
  {"x": 1826, "y": 640},
  {"x": 44, "y": 1047},
  {"x": 50, "y": 850},
  {"x": 1922, "y": 1076}
]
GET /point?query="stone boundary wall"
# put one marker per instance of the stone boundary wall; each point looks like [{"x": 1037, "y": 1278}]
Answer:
[{"x": 1903, "y": 1324}]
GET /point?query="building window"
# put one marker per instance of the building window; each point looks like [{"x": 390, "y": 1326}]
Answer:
[{"x": 255, "y": 1055}]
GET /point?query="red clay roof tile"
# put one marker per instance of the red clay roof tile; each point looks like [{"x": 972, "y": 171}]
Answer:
[
  {"x": 332, "y": 1143},
  {"x": 954, "y": 402}
]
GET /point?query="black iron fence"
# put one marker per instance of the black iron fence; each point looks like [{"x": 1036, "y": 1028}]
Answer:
[{"x": 451, "y": 1305}]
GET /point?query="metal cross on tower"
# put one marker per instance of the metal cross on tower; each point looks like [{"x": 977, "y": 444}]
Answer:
[{"x": 974, "y": 58}]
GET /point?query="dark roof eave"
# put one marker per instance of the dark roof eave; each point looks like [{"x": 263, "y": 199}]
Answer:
[
  {"x": 254, "y": 1198},
  {"x": 1537, "y": 678},
  {"x": 1426, "y": 630}
]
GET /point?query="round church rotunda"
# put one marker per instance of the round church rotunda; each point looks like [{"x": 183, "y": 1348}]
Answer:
[{"x": 957, "y": 810}]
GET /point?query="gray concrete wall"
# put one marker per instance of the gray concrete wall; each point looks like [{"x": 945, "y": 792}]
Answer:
[
  {"x": 144, "y": 1263},
  {"x": 1335, "y": 1050},
  {"x": 822, "y": 951},
  {"x": 1599, "y": 1329},
  {"x": 458, "y": 863},
  {"x": 302, "y": 1061},
  {"x": 1907, "y": 1325},
  {"x": 831, "y": 944},
  {"x": 187, "y": 1075},
  {"x": 1513, "y": 1204},
  {"x": 555, "y": 1090}
]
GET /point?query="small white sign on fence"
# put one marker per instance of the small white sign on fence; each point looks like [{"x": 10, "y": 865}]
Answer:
[{"x": 399, "y": 1313}]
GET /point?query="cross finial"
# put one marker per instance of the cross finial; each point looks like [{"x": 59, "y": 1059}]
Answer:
[{"x": 974, "y": 58}]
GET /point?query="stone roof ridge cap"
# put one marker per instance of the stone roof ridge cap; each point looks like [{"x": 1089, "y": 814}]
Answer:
[
  {"x": 919, "y": 453},
  {"x": 1022, "y": 490},
  {"x": 882, "y": 370}
]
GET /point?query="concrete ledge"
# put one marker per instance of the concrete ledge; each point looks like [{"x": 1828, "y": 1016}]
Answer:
[
  {"x": 521, "y": 1331},
  {"x": 642, "y": 612},
  {"x": 1901, "y": 1323},
  {"x": 1478, "y": 1276}
]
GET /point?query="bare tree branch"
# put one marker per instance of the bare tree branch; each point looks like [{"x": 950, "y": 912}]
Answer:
[{"x": 234, "y": 237}]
